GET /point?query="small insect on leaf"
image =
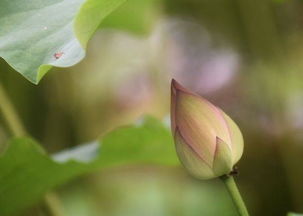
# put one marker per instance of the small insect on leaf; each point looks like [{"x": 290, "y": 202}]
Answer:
[{"x": 58, "y": 55}]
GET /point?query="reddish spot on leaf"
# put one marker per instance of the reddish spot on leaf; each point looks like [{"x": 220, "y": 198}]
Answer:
[{"x": 58, "y": 55}]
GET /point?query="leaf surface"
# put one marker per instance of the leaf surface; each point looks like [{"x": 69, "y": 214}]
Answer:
[
  {"x": 27, "y": 172},
  {"x": 38, "y": 34}
]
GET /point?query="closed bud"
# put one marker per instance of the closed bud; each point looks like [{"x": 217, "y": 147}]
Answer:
[{"x": 208, "y": 142}]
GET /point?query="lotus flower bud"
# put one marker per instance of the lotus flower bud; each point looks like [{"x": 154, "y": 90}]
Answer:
[{"x": 208, "y": 142}]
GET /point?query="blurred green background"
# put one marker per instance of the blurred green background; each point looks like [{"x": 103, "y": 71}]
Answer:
[{"x": 244, "y": 56}]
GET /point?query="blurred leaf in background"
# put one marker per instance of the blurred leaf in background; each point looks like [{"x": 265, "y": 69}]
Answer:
[
  {"x": 27, "y": 172},
  {"x": 135, "y": 16},
  {"x": 294, "y": 214},
  {"x": 148, "y": 191}
]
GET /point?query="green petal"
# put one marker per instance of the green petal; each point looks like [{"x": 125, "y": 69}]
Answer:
[
  {"x": 237, "y": 139},
  {"x": 194, "y": 164},
  {"x": 223, "y": 158}
]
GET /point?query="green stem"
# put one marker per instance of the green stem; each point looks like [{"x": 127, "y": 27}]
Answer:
[
  {"x": 235, "y": 194},
  {"x": 17, "y": 129},
  {"x": 10, "y": 115}
]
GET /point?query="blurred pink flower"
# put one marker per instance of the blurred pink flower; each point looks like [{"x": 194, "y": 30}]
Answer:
[{"x": 192, "y": 58}]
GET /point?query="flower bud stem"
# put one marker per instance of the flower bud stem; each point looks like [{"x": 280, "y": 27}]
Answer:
[{"x": 235, "y": 194}]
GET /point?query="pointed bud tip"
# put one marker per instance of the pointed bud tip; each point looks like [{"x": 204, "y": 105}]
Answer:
[
  {"x": 218, "y": 140},
  {"x": 175, "y": 87},
  {"x": 174, "y": 82}
]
